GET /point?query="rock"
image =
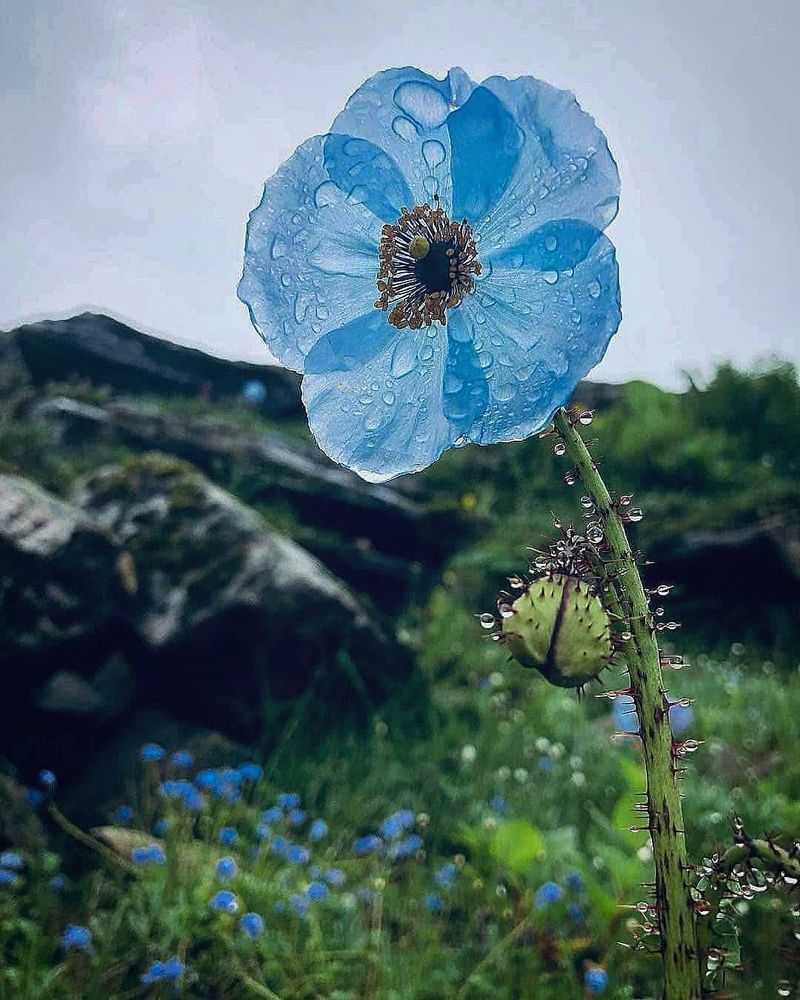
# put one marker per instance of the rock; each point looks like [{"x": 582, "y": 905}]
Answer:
[
  {"x": 108, "y": 694},
  {"x": 75, "y": 420},
  {"x": 109, "y": 353},
  {"x": 58, "y": 577},
  {"x": 229, "y": 610}
]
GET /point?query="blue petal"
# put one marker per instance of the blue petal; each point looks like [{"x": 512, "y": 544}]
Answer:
[
  {"x": 466, "y": 391},
  {"x": 536, "y": 335},
  {"x": 564, "y": 170},
  {"x": 555, "y": 246},
  {"x": 485, "y": 143},
  {"x": 386, "y": 416},
  {"x": 311, "y": 257},
  {"x": 404, "y": 112},
  {"x": 350, "y": 346},
  {"x": 367, "y": 175}
]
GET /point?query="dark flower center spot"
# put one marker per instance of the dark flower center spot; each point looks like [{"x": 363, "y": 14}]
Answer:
[{"x": 433, "y": 271}]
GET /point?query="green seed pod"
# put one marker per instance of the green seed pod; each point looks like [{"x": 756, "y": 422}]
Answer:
[{"x": 560, "y": 627}]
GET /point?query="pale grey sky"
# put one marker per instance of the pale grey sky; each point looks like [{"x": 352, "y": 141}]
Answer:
[{"x": 137, "y": 135}]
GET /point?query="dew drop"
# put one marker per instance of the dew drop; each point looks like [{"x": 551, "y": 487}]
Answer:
[
  {"x": 372, "y": 422},
  {"x": 594, "y": 289},
  {"x": 403, "y": 358},
  {"x": 487, "y": 620},
  {"x": 485, "y": 359},
  {"x": 431, "y": 185},
  {"x": 559, "y": 448},
  {"x": 326, "y": 194},
  {"x": 422, "y": 103},
  {"x": 551, "y": 277},
  {"x": 505, "y": 391},
  {"x": 434, "y": 153},
  {"x": 389, "y": 398},
  {"x": 404, "y": 128},
  {"x": 551, "y": 243},
  {"x": 784, "y": 988},
  {"x": 286, "y": 281}
]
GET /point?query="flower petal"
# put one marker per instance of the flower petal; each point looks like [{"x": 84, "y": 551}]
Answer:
[
  {"x": 311, "y": 257},
  {"x": 466, "y": 391},
  {"x": 404, "y": 112},
  {"x": 537, "y": 334},
  {"x": 564, "y": 169},
  {"x": 386, "y": 416},
  {"x": 367, "y": 175},
  {"x": 485, "y": 143}
]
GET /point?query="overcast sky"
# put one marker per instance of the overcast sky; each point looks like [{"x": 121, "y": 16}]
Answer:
[{"x": 136, "y": 136}]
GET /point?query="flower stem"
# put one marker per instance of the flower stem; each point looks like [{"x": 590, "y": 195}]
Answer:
[{"x": 676, "y": 915}]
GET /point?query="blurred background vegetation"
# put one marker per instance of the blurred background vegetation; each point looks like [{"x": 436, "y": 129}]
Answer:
[{"x": 406, "y": 707}]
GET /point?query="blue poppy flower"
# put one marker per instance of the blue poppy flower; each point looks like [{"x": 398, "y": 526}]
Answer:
[
  {"x": 224, "y": 900},
  {"x": 170, "y": 971},
  {"x": 150, "y": 855},
  {"x": 228, "y": 836},
  {"x": 47, "y": 780},
  {"x": 182, "y": 758},
  {"x": 252, "y": 925},
  {"x": 335, "y": 877},
  {"x": 296, "y": 817},
  {"x": 595, "y": 980},
  {"x": 434, "y": 904},
  {"x": 76, "y": 937},
  {"x": 546, "y": 894},
  {"x": 296, "y": 854},
  {"x": 271, "y": 815},
  {"x": 152, "y": 752},
  {"x": 226, "y": 868},
  {"x": 435, "y": 265},
  {"x": 317, "y": 891},
  {"x": 122, "y": 815},
  {"x": 318, "y": 830}
]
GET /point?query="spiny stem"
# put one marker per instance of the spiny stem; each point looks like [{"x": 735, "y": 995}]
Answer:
[{"x": 676, "y": 916}]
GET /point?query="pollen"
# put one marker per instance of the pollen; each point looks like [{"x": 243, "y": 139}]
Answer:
[{"x": 428, "y": 264}]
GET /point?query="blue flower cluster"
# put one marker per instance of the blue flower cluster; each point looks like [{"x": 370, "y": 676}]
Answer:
[
  {"x": 395, "y": 841},
  {"x": 547, "y": 894},
  {"x": 76, "y": 938},
  {"x": 152, "y": 854},
  {"x": 171, "y": 971}
]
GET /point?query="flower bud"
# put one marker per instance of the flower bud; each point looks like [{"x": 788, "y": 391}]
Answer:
[{"x": 560, "y": 627}]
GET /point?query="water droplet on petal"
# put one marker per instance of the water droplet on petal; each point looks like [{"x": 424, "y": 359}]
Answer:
[
  {"x": 389, "y": 398},
  {"x": 422, "y": 103},
  {"x": 404, "y": 128},
  {"x": 551, "y": 277},
  {"x": 404, "y": 357},
  {"x": 433, "y": 153},
  {"x": 594, "y": 289},
  {"x": 505, "y": 391},
  {"x": 551, "y": 243},
  {"x": 326, "y": 194}
]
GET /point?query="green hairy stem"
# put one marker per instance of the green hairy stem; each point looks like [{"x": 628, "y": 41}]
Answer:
[{"x": 676, "y": 914}]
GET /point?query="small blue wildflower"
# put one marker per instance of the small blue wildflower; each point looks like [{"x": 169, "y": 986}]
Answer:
[
  {"x": 271, "y": 815},
  {"x": 367, "y": 845},
  {"x": 296, "y": 854},
  {"x": 207, "y": 779},
  {"x": 185, "y": 791},
  {"x": 152, "y": 752},
  {"x": 76, "y": 937},
  {"x": 11, "y": 859},
  {"x": 160, "y": 827},
  {"x": 446, "y": 875},
  {"x": 263, "y": 831},
  {"x": 299, "y": 905},
  {"x": 296, "y": 817},
  {"x": 224, "y": 900},
  {"x": 226, "y": 868},
  {"x": 170, "y": 971},
  {"x": 35, "y": 797},
  {"x": 182, "y": 758},
  {"x": 318, "y": 830},
  {"x": 405, "y": 848},
  {"x": 58, "y": 884},
  {"x": 335, "y": 877},
  {"x": 280, "y": 906},
  {"x": 434, "y": 904},
  {"x": 254, "y": 392},
  {"x": 252, "y": 925},
  {"x": 546, "y": 894},
  {"x": 397, "y": 824},
  {"x": 316, "y": 891},
  {"x": 500, "y": 805},
  {"x": 251, "y": 772},
  {"x": 8, "y": 877},
  {"x": 524, "y": 278},
  {"x": 47, "y": 780},
  {"x": 595, "y": 980},
  {"x": 575, "y": 913},
  {"x": 288, "y": 800},
  {"x": 122, "y": 815},
  {"x": 228, "y": 836},
  {"x": 279, "y": 845},
  {"x": 150, "y": 855},
  {"x": 545, "y": 764},
  {"x": 574, "y": 883}
]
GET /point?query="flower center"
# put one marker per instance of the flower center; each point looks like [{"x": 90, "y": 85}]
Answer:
[{"x": 427, "y": 265}]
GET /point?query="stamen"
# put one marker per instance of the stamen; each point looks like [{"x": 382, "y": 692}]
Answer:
[{"x": 427, "y": 265}]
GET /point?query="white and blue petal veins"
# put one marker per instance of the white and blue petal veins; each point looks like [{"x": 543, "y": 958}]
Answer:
[{"x": 533, "y": 177}]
